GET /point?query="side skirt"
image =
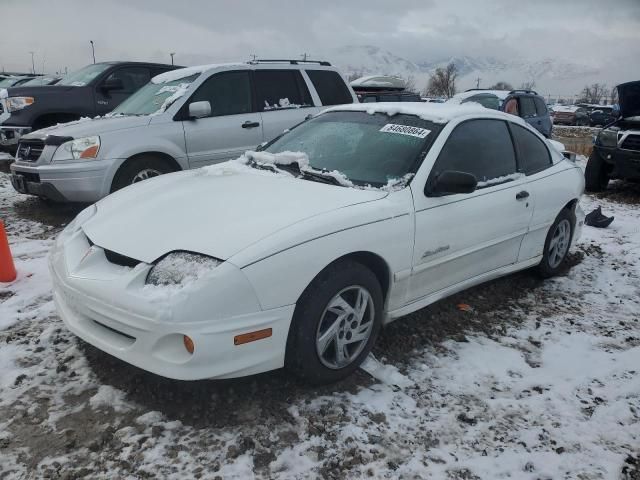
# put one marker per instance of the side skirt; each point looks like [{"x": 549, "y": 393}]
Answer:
[{"x": 445, "y": 292}]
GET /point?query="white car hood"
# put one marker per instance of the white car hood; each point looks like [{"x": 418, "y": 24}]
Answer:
[
  {"x": 88, "y": 127},
  {"x": 213, "y": 214}
]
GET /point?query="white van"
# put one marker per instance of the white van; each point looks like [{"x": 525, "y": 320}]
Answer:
[{"x": 182, "y": 119}]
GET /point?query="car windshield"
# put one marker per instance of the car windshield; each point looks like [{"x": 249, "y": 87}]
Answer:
[
  {"x": 39, "y": 81},
  {"x": 83, "y": 76},
  {"x": 367, "y": 149},
  {"x": 154, "y": 97},
  {"x": 7, "y": 82}
]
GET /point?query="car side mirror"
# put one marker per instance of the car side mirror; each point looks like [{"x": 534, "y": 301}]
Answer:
[
  {"x": 112, "y": 84},
  {"x": 199, "y": 109},
  {"x": 451, "y": 182}
]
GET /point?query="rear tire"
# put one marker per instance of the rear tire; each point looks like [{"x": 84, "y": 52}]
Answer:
[
  {"x": 325, "y": 324},
  {"x": 595, "y": 175},
  {"x": 557, "y": 243},
  {"x": 141, "y": 168}
]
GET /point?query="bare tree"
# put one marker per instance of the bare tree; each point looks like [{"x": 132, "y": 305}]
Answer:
[
  {"x": 593, "y": 93},
  {"x": 530, "y": 85},
  {"x": 409, "y": 83},
  {"x": 353, "y": 76},
  {"x": 613, "y": 96},
  {"x": 501, "y": 86},
  {"x": 442, "y": 83}
]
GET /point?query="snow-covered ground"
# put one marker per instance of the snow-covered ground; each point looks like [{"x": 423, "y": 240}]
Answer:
[{"x": 531, "y": 380}]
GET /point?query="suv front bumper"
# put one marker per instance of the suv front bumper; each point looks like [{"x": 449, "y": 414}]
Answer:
[{"x": 625, "y": 163}]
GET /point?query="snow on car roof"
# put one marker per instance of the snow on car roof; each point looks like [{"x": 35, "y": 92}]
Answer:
[
  {"x": 433, "y": 112},
  {"x": 379, "y": 81},
  {"x": 565, "y": 108},
  {"x": 174, "y": 75}
]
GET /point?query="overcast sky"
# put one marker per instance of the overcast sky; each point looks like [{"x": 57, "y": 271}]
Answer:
[{"x": 587, "y": 32}]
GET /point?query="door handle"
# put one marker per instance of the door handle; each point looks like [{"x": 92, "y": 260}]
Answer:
[
  {"x": 249, "y": 124},
  {"x": 522, "y": 195}
]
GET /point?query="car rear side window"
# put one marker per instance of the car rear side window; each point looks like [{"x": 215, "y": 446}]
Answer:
[
  {"x": 541, "y": 108},
  {"x": 533, "y": 154},
  {"x": 527, "y": 107},
  {"x": 229, "y": 93},
  {"x": 278, "y": 89},
  {"x": 330, "y": 87},
  {"x": 480, "y": 147},
  {"x": 132, "y": 78}
]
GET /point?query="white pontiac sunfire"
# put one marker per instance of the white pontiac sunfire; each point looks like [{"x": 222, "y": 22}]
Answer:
[{"x": 297, "y": 254}]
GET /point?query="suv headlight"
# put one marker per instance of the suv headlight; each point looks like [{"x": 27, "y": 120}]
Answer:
[
  {"x": 607, "y": 138},
  {"x": 179, "y": 268},
  {"x": 18, "y": 103},
  {"x": 80, "y": 149}
]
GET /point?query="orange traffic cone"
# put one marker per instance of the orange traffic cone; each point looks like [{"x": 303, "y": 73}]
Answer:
[{"x": 7, "y": 268}]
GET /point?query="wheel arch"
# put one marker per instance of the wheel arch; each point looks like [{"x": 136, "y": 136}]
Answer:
[{"x": 175, "y": 165}]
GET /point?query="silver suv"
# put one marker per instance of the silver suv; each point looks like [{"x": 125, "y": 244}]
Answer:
[{"x": 182, "y": 119}]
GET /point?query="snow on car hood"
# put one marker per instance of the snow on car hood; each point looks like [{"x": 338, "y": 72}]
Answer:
[
  {"x": 629, "y": 95},
  {"x": 216, "y": 212},
  {"x": 87, "y": 127}
]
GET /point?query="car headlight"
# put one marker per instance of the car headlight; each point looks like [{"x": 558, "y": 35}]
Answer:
[
  {"x": 18, "y": 103},
  {"x": 86, "y": 148},
  {"x": 607, "y": 138},
  {"x": 179, "y": 268}
]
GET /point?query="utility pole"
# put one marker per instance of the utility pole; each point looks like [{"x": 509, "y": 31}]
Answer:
[
  {"x": 253, "y": 57},
  {"x": 172, "y": 54},
  {"x": 93, "y": 51},
  {"x": 304, "y": 57},
  {"x": 478, "y": 82},
  {"x": 33, "y": 65}
]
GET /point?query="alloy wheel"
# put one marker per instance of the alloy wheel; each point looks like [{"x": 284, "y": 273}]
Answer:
[
  {"x": 559, "y": 243},
  {"x": 145, "y": 174}
]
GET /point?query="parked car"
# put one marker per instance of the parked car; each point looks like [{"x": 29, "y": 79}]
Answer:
[
  {"x": 570, "y": 115},
  {"x": 603, "y": 115},
  {"x": 42, "y": 80},
  {"x": 182, "y": 119},
  {"x": 616, "y": 152},
  {"x": 527, "y": 104},
  {"x": 383, "y": 88},
  {"x": 93, "y": 90},
  {"x": 14, "y": 80},
  {"x": 296, "y": 255}
]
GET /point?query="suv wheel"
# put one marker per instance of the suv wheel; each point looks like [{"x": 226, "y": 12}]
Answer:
[
  {"x": 335, "y": 323},
  {"x": 557, "y": 243},
  {"x": 595, "y": 175},
  {"x": 142, "y": 168}
]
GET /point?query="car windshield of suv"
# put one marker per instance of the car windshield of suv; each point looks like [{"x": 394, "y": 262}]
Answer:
[
  {"x": 38, "y": 81},
  {"x": 154, "y": 97},
  {"x": 374, "y": 150},
  {"x": 8, "y": 82},
  {"x": 83, "y": 76}
]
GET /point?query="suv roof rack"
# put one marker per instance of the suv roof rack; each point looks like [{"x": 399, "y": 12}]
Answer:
[
  {"x": 523, "y": 90},
  {"x": 291, "y": 62}
]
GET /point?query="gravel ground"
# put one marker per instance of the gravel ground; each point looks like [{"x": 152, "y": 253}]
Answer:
[{"x": 531, "y": 380}]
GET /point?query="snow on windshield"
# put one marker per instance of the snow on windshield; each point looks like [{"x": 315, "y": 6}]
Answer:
[
  {"x": 180, "y": 73},
  {"x": 178, "y": 91}
]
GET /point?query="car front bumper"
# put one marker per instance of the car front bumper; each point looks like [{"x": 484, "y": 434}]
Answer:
[
  {"x": 73, "y": 182},
  {"x": 10, "y": 136},
  {"x": 625, "y": 163},
  {"x": 110, "y": 311}
]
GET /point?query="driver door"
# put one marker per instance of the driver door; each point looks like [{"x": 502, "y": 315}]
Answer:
[
  {"x": 462, "y": 236},
  {"x": 131, "y": 78}
]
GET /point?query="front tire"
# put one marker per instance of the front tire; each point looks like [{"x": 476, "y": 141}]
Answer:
[
  {"x": 335, "y": 323},
  {"x": 596, "y": 177},
  {"x": 139, "y": 169},
  {"x": 557, "y": 243}
]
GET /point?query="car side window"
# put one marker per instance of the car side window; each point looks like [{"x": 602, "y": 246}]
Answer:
[
  {"x": 487, "y": 101},
  {"x": 389, "y": 98},
  {"x": 330, "y": 87},
  {"x": 533, "y": 154},
  {"x": 132, "y": 78},
  {"x": 229, "y": 93},
  {"x": 481, "y": 147},
  {"x": 541, "y": 108},
  {"x": 527, "y": 107},
  {"x": 278, "y": 89}
]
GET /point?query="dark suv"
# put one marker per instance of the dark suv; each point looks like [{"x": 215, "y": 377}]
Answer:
[
  {"x": 616, "y": 152},
  {"x": 524, "y": 103},
  {"x": 93, "y": 90}
]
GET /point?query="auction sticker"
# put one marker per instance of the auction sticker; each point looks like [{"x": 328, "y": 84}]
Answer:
[{"x": 406, "y": 130}]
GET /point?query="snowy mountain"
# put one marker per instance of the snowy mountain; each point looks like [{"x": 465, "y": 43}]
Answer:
[{"x": 551, "y": 75}]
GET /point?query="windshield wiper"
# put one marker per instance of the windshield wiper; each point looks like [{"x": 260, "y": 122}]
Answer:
[
  {"x": 318, "y": 176},
  {"x": 295, "y": 170}
]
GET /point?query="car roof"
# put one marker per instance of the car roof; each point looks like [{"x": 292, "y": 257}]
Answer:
[
  {"x": 268, "y": 65},
  {"x": 501, "y": 94},
  {"x": 433, "y": 112}
]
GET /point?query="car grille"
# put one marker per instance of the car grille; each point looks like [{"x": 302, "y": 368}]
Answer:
[
  {"x": 30, "y": 150},
  {"x": 121, "y": 260},
  {"x": 632, "y": 142}
]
